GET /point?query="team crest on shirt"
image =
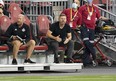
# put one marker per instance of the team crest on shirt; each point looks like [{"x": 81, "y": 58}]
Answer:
[
  {"x": 15, "y": 29},
  {"x": 23, "y": 30}
]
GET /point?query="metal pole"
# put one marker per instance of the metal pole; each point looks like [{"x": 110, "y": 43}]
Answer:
[
  {"x": 107, "y": 4},
  {"x": 107, "y": 8},
  {"x": 113, "y": 6}
]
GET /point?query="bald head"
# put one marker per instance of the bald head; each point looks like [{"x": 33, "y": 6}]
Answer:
[{"x": 20, "y": 19}]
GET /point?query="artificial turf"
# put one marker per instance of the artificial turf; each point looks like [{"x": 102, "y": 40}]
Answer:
[{"x": 60, "y": 78}]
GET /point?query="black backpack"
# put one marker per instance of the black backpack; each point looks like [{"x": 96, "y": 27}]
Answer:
[{"x": 102, "y": 23}]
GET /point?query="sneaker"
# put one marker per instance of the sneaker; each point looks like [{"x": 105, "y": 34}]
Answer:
[
  {"x": 29, "y": 61},
  {"x": 56, "y": 60},
  {"x": 14, "y": 62},
  {"x": 94, "y": 63}
]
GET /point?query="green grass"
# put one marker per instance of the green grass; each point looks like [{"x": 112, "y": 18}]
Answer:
[{"x": 60, "y": 78}]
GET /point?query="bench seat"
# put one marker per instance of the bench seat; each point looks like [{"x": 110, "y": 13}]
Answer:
[{"x": 23, "y": 47}]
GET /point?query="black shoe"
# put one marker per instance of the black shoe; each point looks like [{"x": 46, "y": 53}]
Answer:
[
  {"x": 68, "y": 60},
  {"x": 14, "y": 62},
  {"x": 56, "y": 60},
  {"x": 29, "y": 61},
  {"x": 65, "y": 60}
]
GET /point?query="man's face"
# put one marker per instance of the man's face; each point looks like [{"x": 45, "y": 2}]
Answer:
[
  {"x": 77, "y": 2},
  {"x": 74, "y": 5},
  {"x": 62, "y": 20},
  {"x": 1, "y": 11},
  {"x": 1, "y": 6},
  {"x": 20, "y": 20}
]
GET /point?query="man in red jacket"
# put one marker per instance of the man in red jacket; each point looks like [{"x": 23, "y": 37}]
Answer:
[
  {"x": 89, "y": 14},
  {"x": 74, "y": 18}
]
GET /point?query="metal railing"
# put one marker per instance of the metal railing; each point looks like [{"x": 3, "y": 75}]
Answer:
[
  {"x": 107, "y": 14},
  {"x": 40, "y": 7},
  {"x": 111, "y": 39},
  {"x": 109, "y": 5},
  {"x": 113, "y": 6},
  {"x": 54, "y": 8}
]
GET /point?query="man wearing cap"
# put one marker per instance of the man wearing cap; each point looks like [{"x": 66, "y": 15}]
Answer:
[
  {"x": 89, "y": 14},
  {"x": 74, "y": 18}
]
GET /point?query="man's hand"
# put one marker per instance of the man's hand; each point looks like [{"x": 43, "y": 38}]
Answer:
[
  {"x": 58, "y": 38},
  {"x": 14, "y": 38},
  {"x": 103, "y": 18},
  {"x": 66, "y": 41}
]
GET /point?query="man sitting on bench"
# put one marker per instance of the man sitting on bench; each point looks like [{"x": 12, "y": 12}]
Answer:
[
  {"x": 59, "y": 34},
  {"x": 19, "y": 34}
]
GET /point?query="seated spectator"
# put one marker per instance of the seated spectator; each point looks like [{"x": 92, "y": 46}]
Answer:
[
  {"x": 5, "y": 12},
  {"x": 19, "y": 34},
  {"x": 59, "y": 34}
]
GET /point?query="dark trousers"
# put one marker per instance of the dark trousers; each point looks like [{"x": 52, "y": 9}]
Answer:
[
  {"x": 54, "y": 45},
  {"x": 87, "y": 36},
  {"x": 73, "y": 34}
]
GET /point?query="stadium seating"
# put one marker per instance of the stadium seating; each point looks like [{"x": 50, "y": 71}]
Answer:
[
  {"x": 14, "y": 10},
  {"x": 42, "y": 25},
  {"x": 4, "y": 24}
]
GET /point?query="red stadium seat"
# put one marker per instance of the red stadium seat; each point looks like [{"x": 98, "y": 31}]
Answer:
[
  {"x": 2, "y": 48},
  {"x": 14, "y": 10},
  {"x": 5, "y": 22},
  {"x": 43, "y": 25},
  {"x": 27, "y": 21}
]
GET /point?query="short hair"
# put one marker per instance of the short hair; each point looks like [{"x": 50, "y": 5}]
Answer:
[
  {"x": 62, "y": 14},
  {"x": 21, "y": 15}
]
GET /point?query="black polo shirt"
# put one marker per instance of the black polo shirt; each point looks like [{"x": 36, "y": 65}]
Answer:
[
  {"x": 56, "y": 31},
  {"x": 22, "y": 32}
]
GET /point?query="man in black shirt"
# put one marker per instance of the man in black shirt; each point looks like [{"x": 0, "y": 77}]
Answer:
[
  {"x": 19, "y": 34},
  {"x": 60, "y": 35}
]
